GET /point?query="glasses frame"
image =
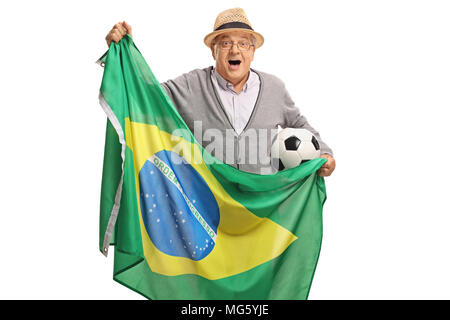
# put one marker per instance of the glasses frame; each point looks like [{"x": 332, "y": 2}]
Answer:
[{"x": 232, "y": 45}]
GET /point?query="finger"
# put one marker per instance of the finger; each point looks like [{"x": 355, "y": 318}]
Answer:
[
  {"x": 108, "y": 39},
  {"x": 122, "y": 29},
  {"x": 330, "y": 165},
  {"x": 118, "y": 28},
  {"x": 128, "y": 27},
  {"x": 324, "y": 172},
  {"x": 326, "y": 165},
  {"x": 116, "y": 36},
  {"x": 117, "y": 33}
]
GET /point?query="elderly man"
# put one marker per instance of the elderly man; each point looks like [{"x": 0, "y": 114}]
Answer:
[{"x": 236, "y": 107}]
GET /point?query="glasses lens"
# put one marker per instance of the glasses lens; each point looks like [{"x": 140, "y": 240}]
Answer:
[
  {"x": 226, "y": 44},
  {"x": 244, "y": 45}
]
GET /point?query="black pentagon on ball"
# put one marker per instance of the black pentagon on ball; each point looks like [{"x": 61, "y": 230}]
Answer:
[
  {"x": 280, "y": 165},
  {"x": 292, "y": 143},
  {"x": 315, "y": 143}
]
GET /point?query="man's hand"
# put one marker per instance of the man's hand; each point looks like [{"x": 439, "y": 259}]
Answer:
[
  {"x": 328, "y": 167},
  {"x": 119, "y": 30}
]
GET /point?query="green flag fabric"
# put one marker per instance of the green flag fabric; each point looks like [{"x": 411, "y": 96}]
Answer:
[{"x": 183, "y": 224}]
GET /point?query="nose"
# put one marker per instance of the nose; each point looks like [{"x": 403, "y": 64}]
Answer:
[{"x": 234, "y": 48}]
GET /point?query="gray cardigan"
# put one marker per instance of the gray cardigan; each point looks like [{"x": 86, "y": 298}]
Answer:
[{"x": 198, "y": 103}]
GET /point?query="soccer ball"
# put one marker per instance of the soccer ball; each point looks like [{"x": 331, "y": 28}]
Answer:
[{"x": 292, "y": 147}]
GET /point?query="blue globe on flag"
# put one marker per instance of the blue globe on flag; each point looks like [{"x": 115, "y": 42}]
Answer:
[{"x": 179, "y": 211}]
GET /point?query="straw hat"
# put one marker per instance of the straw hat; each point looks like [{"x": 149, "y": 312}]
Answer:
[{"x": 233, "y": 20}]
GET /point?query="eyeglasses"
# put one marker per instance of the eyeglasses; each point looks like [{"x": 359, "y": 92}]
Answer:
[{"x": 242, "y": 45}]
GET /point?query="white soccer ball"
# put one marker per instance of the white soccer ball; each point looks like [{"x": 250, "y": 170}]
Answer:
[{"x": 292, "y": 147}]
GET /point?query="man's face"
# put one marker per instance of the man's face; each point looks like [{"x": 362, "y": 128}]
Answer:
[{"x": 233, "y": 64}]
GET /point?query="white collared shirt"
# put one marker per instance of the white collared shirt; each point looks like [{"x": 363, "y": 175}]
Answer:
[{"x": 238, "y": 106}]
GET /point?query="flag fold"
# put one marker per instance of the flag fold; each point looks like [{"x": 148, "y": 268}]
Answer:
[{"x": 183, "y": 224}]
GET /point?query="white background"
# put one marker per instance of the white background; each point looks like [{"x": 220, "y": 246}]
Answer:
[{"x": 372, "y": 76}]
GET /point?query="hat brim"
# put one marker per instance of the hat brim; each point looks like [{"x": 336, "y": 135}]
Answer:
[{"x": 211, "y": 36}]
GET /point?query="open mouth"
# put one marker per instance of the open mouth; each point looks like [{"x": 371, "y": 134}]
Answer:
[{"x": 234, "y": 64}]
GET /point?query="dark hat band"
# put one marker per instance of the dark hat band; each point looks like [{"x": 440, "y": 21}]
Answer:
[{"x": 232, "y": 25}]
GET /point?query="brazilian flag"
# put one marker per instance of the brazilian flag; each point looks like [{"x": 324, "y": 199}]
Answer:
[{"x": 185, "y": 225}]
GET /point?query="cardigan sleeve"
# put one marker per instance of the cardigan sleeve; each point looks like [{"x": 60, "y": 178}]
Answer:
[
  {"x": 178, "y": 90},
  {"x": 295, "y": 119}
]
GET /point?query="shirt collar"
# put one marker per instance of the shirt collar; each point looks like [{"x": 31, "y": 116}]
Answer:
[{"x": 224, "y": 84}]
